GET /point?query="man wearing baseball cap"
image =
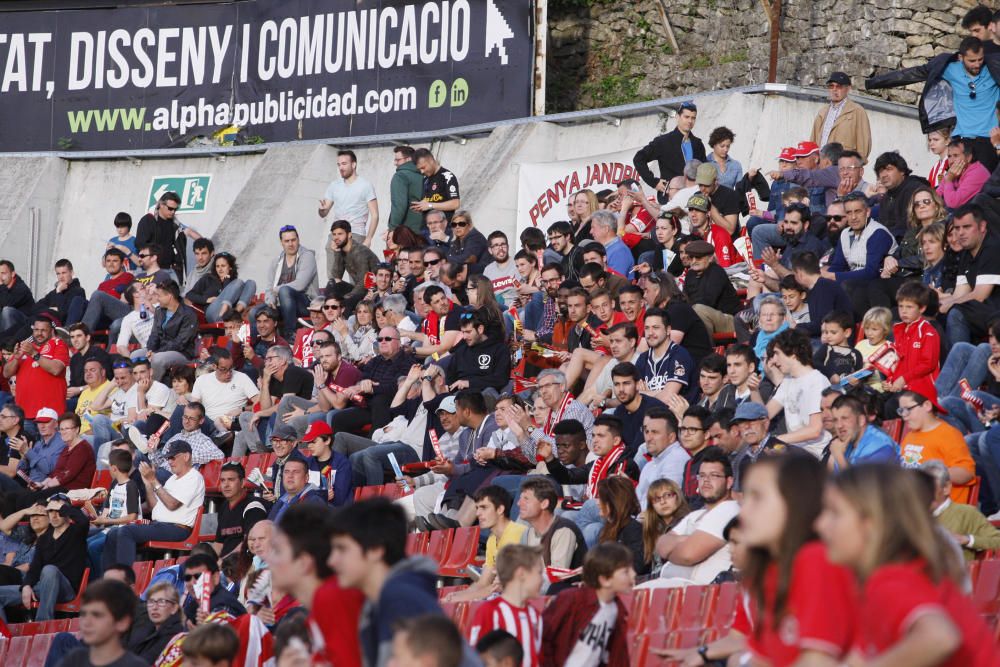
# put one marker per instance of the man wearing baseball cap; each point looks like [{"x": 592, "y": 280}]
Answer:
[
  {"x": 725, "y": 203},
  {"x": 329, "y": 471},
  {"x": 708, "y": 289},
  {"x": 816, "y": 170},
  {"x": 302, "y": 349},
  {"x": 702, "y": 227},
  {"x": 753, "y": 422},
  {"x": 843, "y": 120}
]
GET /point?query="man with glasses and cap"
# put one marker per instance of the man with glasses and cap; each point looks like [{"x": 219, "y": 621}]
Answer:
[
  {"x": 671, "y": 151},
  {"x": 377, "y": 386},
  {"x": 174, "y": 507},
  {"x": 284, "y": 441},
  {"x": 302, "y": 349},
  {"x": 57, "y": 566},
  {"x": 293, "y": 282}
]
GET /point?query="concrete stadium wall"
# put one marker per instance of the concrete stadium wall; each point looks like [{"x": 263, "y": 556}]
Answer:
[{"x": 251, "y": 196}]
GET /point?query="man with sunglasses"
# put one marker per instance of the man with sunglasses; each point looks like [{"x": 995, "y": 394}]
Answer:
[
  {"x": 162, "y": 228},
  {"x": 671, "y": 151},
  {"x": 57, "y": 566},
  {"x": 302, "y": 350},
  {"x": 220, "y": 599}
]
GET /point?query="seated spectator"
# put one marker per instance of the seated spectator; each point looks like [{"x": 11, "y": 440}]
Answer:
[
  {"x": 725, "y": 203},
  {"x": 478, "y": 362},
  {"x": 225, "y": 392},
  {"x": 67, "y": 300},
  {"x": 109, "y": 607},
  {"x": 137, "y": 323},
  {"x": 122, "y": 507},
  {"x": 295, "y": 486},
  {"x": 294, "y": 281},
  {"x": 107, "y": 307},
  {"x": 836, "y": 358},
  {"x": 57, "y": 566},
  {"x": 796, "y": 237},
  {"x": 468, "y": 245},
  {"x": 440, "y": 331},
  {"x": 666, "y": 367},
  {"x": 356, "y": 336},
  {"x": 562, "y": 542},
  {"x": 799, "y": 391},
  {"x": 662, "y": 454},
  {"x": 83, "y": 351},
  {"x": 965, "y": 175},
  {"x": 175, "y": 331},
  {"x": 124, "y": 240},
  {"x": 203, "y": 448},
  {"x": 928, "y": 437},
  {"x": 353, "y": 257},
  {"x": 974, "y": 302},
  {"x": 856, "y": 441},
  {"x": 284, "y": 440},
  {"x": 520, "y": 573},
  {"x": 966, "y": 524},
  {"x": 588, "y": 624},
  {"x": 162, "y": 622},
  {"x": 220, "y": 289},
  {"x": 38, "y": 366},
  {"x": 174, "y": 507},
  {"x": 38, "y": 460},
  {"x": 74, "y": 467},
  {"x": 329, "y": 471},
  {"x": 19, "y": 531},
  {"x": 154, "y": 403},
  {"x": 708, "y": 289},
  {"x": 742, "y": 380},
  {"x": 596, "y": 274},
  {"x": 695, "y": 549},
  {"x": 220, "y": 599},
  {"x": 692, "y": 432},
  {"x": 255, "y": 347},
  {"x": 211, "y": 645},
  {"x": 16, "y": 302},
  {"x": 895, "y": 176},
  {"x": 823, "y": 295},
  {"x": 13, "y": 439},
  {"x": 619, "y": 508},
  {"x": 702, "y": 228},
  {"x": 665, "y": 507},
  {"x": 240, "y": 512},
  {"x": 280, "y": 378},
  {"x": 302, "y": 349},
  {"x": 96, "y": 386},
  {"x": 377, "y": 386}
]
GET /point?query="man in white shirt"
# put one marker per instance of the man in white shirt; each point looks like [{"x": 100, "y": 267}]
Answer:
[
  {"x": 661, "y": 456},
  {"x": 225, "y": 392},
  {"x": 351, "y": 198},
  {"x": 138, "y": 324},
  {"x": 175, "y": 507},
  {"x": 695, "y": 549}
]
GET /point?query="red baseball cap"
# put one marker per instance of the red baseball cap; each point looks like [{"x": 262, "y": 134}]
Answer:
[
  {"x": 317, "y": 428},
  {"x": 787, "y": 155},
  {"x": 806, "y": 148}
]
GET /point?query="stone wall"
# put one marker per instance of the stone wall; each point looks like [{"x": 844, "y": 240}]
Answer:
[{"x": 603, "y": 52}]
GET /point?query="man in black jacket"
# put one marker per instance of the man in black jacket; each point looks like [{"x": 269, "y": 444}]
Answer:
[
  {"x": 67, "y": 300},
  {"x": 219, "y": 600},
  {"x": 478, "y": 362},
  {"x": 162, "y": 228},
  {"x": 899, "y": 182},
  {"x": 175, "y": 328},
  {"x": 16, "y": 301},
  {"x": 671, "y": 152},
  {"x": 57, "y": 566}
]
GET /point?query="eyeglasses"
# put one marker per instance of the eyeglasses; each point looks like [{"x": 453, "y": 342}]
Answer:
[
  {"x": 835, "y": 218},
  {"x": 385, "y": 339},
  {"x": 159, "y": 602},
  {"x": 333, "y": 307},
  {"x": 190, "y": 418},
  {"x": 690, "y": 429},
  {"x": 705, "y": 477},
  {"x": 904, "y": 410},
  {"x": 8, "y": 416},
  {"x": 669, "y": 495},
  {"x": 972, "y": 90},
  {"x": 191, "y": 577},
  {"x": 922, "y": 202},
  {"x": 432, "y": 262},
  {"x": 459, "y": 223},
  {"x": 224, "y": 371}
]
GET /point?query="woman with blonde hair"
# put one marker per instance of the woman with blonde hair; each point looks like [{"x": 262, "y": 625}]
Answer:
[
  {"x": 665, "y": 507},
  {"x": 876, "y": 521},
  {"x": 584, "y": 204},
  {"x": 937, "y": 143},
  {"x": 933, "y": 247}
]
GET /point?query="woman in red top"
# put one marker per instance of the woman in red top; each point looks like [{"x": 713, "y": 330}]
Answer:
[
  {"x": 801, "y": 606},
  {"x": 911, "y": 612}
]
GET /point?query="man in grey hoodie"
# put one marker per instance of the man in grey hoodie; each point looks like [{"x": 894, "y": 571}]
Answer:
[{"x": 293, "y": 282}]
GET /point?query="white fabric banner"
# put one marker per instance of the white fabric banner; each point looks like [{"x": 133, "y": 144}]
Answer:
[{"x": 544, "y": 188}]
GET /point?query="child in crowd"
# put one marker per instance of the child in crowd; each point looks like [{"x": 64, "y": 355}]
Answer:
[
  {"x": 430, "y": 640},
  {"x": 122, "y": 508},
  {"x": 917, "y": 343},
  {"x": 876, "y": 325},
  {"x": 210, "y": 645},
  {"x": 836, "y": 358},
  {"x": 124, "y": 241},
  {"x": 498, "y": 648},
  {"x": 106, "y": 615},
  {"x": 521, "y": 572},
  {"x": 794, "y": 296},
  {"x": 587, "y": 625}
]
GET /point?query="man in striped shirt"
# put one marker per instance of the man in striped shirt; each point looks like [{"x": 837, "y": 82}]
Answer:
[{"x": 521, "y": 572}]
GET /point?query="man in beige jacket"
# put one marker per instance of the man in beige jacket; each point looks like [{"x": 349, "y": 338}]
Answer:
[{"x": 842, "y": 121}]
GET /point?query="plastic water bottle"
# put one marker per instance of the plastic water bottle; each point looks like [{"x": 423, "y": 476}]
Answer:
[{"x": 143, "y": 313}]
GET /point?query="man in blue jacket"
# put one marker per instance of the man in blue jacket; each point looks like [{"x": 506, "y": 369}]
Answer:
[{"x": 855, "y": 440}]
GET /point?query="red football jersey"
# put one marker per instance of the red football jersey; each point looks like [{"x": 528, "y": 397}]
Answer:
[{"x": 525, "y": 623}]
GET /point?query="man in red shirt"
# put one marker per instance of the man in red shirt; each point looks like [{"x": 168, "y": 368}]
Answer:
[
  {"x": 118, "y": 278},
  {"x": 703, "y": 227},
  {"x": 583, "y": 359},
  {"x": 39, "y": 368},
  {"x": 303, "y": 348}
]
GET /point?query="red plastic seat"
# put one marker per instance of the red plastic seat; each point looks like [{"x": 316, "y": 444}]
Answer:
[
  {"x": 211, "y": 471},
  {"x": 143, "y": 574},
  {"x": 464, "y": 545},
  {"x": 662, "y": 609},
  {"x": 416, "y": 543},
  {"x": 694, "y": 604},
  {"x": 73, "y": 606},
  {"x": 366, "y": 492},
  {"x": 39, "y": 650},
  {"x": 974, "y": 491},
  {"x": 986, "y": 587},
  {"x": 17, "y": 651},
  {"x": 162, "y": 563},
  {"x": 440, "y": 542},
  {"x": 722, "y": 614},
  {"x": 391, "y": 491},
  {"x": 893, "y": 428},
  {"x": 187, "y": 544}
]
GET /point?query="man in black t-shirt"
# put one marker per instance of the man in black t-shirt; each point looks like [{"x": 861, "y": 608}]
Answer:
[
  {"x": 708, "y": 289},
  {"x": 440, "y": 186},
  {"x": 975, "y": 302},
  {"x": 279, "y": 378},
  {"x": 79, "y": 338},
  {"x": 726, "y": 204},
  {"x": 240, "y": 511}
]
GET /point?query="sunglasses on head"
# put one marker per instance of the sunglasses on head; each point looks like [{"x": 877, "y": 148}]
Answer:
[{"x": 459, "y": 223}]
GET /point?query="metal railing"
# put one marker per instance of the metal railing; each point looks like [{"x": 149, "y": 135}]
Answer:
[{"x": 612, "y": 115}]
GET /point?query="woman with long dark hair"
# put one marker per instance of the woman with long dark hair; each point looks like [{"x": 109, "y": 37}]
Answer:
[
  {"x": 791, "y": 583},
  {"x": 221, "y": 289},
  {"x": 619, "y": 506},
  {"x": 482, "y": 298},
  {"x": 876, "y": 521}
]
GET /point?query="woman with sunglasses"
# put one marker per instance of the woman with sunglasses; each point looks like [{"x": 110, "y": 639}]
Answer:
[
  {"x": 221, "y": 289},
  {"x": 911, "y": 609},
  {"x": 468, "y": 245},
  {"x": 356, "y": 336}
]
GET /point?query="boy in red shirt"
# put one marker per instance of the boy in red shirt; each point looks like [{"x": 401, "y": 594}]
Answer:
[
  {"x": 520, "y": 571},
  {"x": 702, "y": 227},
  {"x": 588, "y": 625},
  {"x": 917, "y": 343}
]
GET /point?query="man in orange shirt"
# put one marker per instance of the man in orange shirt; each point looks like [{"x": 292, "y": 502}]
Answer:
[{"x": 930, "y": 438}]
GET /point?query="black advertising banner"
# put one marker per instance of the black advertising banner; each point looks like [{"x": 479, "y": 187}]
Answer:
[{"x": 269, "y": 70}]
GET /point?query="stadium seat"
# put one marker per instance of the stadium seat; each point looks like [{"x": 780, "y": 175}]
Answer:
[
  {"x": 416, "y": 543},
  {"x": 440, "y": 542},
  {"x": 974, "y": 491},
  {"x": 662, "y": 608},
  {"x": 721, "y": 616},
  {"x": 211, "y": 471},
  {"x": 464, "y": 546},
  {"x": 893, "y": 428},
  {"x": 17, "y": 651},
  {"x": 391, "y": 491},
  {"x": 637, "y": 603},
  {"x": 39, "y": 650},
  {"x": 73, "y": 606},
  {"x": 366, "y": 492},
  {"x": 986, "y": 587},
  {"x": 4, "y": 641},
  {"x": 143, "y": 573},
  {"x": 187, "y": 544}
]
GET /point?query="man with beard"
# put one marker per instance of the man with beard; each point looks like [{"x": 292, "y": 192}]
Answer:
[
  {"x": 560, "y": 237},
  {"x": 351, "y": 198},
  {"x": 797, "y": 238},
  {"x": 632, "y": 405},
  {"x": 542, "y": 312},
  {"x": 501, "y": 271},
  {"x": 666, "y": 367},
  {"x": 357, "y": 259},
  {"x": 623, "y": 338},
  {"x": 855, "y": 440},
  {"x": 702, "y": 227}
]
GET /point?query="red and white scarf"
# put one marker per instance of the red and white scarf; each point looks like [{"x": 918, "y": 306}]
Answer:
[
  {"x": 602, "y": 468},
  {"x": 556, "y": 416}
]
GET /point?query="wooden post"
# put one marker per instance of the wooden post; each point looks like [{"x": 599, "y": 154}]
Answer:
[
  {"x": 541, "y": 44},
  {"x": 773, "y": 10}
]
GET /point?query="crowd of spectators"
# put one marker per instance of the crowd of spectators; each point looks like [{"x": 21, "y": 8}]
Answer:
[{"x": 777, "y": 374}]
